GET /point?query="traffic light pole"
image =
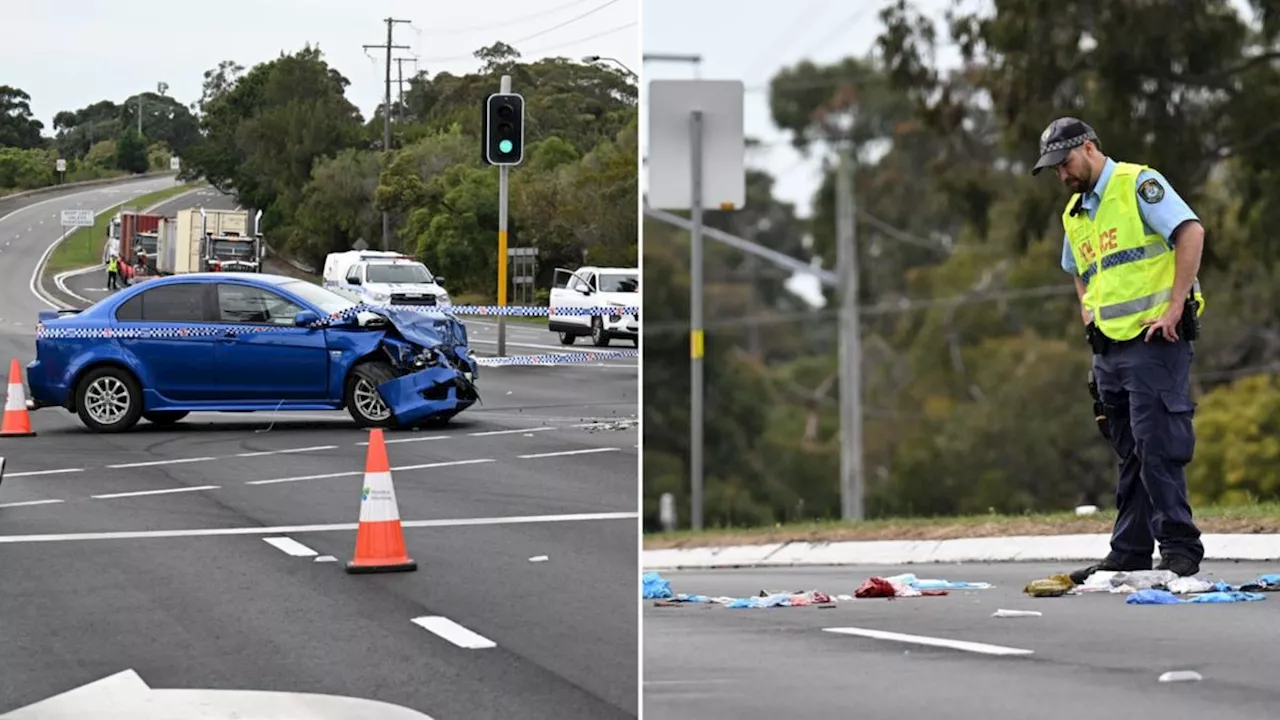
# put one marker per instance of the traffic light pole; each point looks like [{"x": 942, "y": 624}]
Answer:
[{"x": 503, "y": 177}]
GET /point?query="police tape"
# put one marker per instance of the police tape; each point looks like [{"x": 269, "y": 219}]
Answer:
[
  {"x": 477, "y": 310},
  {"x": 555, "y": 358}
]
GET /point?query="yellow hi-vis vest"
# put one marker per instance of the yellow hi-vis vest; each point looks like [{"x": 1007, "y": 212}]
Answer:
[
  {"x": 1128, "y": 273},
  {"x": 113, "y": 265}
]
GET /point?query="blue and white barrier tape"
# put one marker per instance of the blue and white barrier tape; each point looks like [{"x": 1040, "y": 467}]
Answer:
[
  {"x": 479, "y": 310},
  {"x": 555, "y": 358}
]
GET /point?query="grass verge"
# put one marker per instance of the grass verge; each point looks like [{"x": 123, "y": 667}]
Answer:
[
  {"x": 83, "y": 248},
  {"x": 1254, "y": 518}
]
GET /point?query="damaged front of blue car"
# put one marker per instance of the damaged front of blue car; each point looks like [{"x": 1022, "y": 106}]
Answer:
[{"x": 417, "y": 369}]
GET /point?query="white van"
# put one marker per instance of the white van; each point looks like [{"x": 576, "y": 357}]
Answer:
[{"x": 379, "y": 277}]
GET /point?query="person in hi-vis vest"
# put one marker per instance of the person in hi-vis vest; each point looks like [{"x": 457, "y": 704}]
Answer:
[
  {"x": 1133, "y": 246},
  {"x": 113, "y": 272}
]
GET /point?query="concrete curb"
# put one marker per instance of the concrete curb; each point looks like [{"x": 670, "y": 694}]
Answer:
[
  {"x": 86, "y": 184},
  {"x": 1044, "y": 548}
]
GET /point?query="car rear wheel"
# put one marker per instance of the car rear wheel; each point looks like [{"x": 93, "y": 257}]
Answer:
[
  {"x": 364, "y": 403},
  {"x": 109, "y": 400},
  {"x": 567, "y": 338}
]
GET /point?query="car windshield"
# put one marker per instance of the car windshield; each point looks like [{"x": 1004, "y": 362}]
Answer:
[
  {"x": 621, "y": 283},
  {"x": 327, "y": 301},
  {"x": 408, "y": 273}
]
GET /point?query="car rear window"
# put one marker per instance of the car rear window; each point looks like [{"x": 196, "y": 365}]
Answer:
[{"x": 167, "y": 303}]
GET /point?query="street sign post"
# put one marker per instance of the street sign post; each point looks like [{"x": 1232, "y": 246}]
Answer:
[
  {"x": 61, "y": 167},
  {"x": 697, "y": 160},
  {"x": 175, "y": 163}
]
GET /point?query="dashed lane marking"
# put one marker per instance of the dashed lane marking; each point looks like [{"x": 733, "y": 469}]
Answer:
[
  {"x": 290, "y": 546},
  {"x": 296, "y": 529},
  {"x": 264, "y": 453},
  {"x": 153, "y": 463},
  {"x": 965, "y": 645},
  {"x": 354, "y": 473},
  {"x": 30, "y": 502},
  {"x": 563, "y": 453},
  {"x": 32, "y": 473},
  {"x": 397, "y": 441},
  {"x": 487, "y": 433},
  {"x": 155, "y": 492},
  {"x": 453, "y": 632}
]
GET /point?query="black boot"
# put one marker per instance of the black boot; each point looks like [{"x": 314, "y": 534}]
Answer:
[
  {"x": 1181, "y": 565},
  {"x": 1079, "y": 576}
]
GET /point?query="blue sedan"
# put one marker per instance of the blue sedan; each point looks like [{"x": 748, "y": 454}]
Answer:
[{"x": 246, "y": 342}]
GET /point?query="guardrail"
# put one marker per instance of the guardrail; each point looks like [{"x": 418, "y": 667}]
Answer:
[{"x": 86, "y": 184}]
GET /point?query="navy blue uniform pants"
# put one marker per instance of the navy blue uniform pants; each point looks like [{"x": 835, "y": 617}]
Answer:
[{"x": 1144, "y": 388}]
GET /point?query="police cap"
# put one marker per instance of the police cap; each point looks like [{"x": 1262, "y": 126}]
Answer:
[{"x": 1061, "y": 137}]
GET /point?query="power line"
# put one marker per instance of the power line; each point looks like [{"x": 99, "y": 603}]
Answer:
[
  {"x": 789, "y": 32},
  {"x": 549, "y": 48},
  {"x": 506, "y": 23},
  {"x": 540, "y": 33}
]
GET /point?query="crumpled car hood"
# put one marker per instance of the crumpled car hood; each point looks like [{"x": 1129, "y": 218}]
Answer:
[{"x": 428, "y": 329}]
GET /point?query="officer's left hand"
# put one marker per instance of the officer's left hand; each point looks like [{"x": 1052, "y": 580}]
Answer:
[{"x": 1166, "y": 324}]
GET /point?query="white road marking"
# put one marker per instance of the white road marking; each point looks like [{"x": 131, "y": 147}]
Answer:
[
  {"x": 394, "y": 441},
  {"x": 508, "y": 432},
  {"x": 563, "y": 453},
  {"x": 964, "y": 645},
  {"x": 155, "y": 492},
  {"x": 153, "y": 463},
  {"x": 316, "y": 448},
  {"x": 453, "y": 632},
  {"x": 291, "y": 546},
  {"x": 30, "y": 502},
  {"x": 353, "y": 473},
  {"x": 296, "y": 529},
  {"x": 449, "y": 463},
  {"x": 31, "y": 473},
  {"x": 300, "y": 478}
]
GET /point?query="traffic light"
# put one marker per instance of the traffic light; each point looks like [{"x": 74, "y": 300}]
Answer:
[{"x": 503, "y": 129}]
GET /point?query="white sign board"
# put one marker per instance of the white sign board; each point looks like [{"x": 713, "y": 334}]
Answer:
[
  {"x": 175, "y": 163},
  {"x": 61, "y": 165},
  {"x": 671, "y": 106},
  {"x": 77, "y": 218}
]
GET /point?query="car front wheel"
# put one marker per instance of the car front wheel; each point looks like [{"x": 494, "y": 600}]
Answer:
[
  {"x": 363, "y": 402},
  {"x": 109, "y": 400}
]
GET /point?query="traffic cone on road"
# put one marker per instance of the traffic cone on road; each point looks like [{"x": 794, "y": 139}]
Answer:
[
  {"x": 380, "y": 537},
  {"x": 17, "y": 419}
]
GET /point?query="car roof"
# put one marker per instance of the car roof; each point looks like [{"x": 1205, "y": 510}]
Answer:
[
  {"x": 594, "y": 268},
  {"x": 268, "y": 278}
]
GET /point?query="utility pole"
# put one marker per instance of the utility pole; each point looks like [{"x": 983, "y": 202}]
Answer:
[
  {"x": 139, "y": 114},
  {"x": 400, "y": 80},
  {"x": 386, "y": 116},
  {"x": 851, "y": 477}
]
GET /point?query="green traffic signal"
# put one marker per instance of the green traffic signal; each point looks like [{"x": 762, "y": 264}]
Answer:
[{"x": 505, "y": 146}]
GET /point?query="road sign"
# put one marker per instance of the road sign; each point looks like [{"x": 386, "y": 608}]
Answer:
[
  {"x": 77, "y": 218},
  {"x": 61, "y": 165},
  {"x": 175, "y": 163},
  {"x": 672, "y": 104},
  {"x": 125, "y": 695}
]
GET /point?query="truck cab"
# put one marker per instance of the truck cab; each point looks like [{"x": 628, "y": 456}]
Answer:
[
  {"x": 595, "y": 287},
  {"x": 384, "y": 278}
]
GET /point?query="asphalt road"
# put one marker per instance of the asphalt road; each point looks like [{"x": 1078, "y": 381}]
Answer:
[
  {"x": 1093, "y": 655},
  {"x": 546, "y": 466}
]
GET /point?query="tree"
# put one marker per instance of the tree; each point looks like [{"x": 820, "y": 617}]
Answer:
[
  {"x": 131, "y": 152},
  {"x": 18, "y": 127}
]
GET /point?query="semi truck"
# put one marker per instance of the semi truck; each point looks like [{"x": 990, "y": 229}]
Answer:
[
  {"x": 202, "y": 240},
  {"x": 138, "y": 233}
]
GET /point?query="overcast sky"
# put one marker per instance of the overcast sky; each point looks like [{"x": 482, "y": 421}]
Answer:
[{"x": 69, "y": 54}]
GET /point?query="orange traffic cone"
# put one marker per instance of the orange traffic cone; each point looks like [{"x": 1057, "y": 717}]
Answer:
[
  {"x": 17, "y": 419},
  {"x": 380, "y": 538}
]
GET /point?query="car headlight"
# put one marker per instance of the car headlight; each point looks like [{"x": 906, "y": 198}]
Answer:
[{"x": 379, "y": 297}]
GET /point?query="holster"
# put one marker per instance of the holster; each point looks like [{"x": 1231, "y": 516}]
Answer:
[
  {"x": 1189, "y": 325},
  {"x": 1099, "y": 409},
  {"x": 1097, "y": 341}
]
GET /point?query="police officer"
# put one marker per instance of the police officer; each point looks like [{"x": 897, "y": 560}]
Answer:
[
  {"x": 1133, "y": 246},
  {"x": 113, "y": 272}
]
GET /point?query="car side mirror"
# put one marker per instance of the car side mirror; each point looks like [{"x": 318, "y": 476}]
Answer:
[
  {"x": 439, "y": 279},
  {"x": 305, "y": 318},
  {"x": 355, "y": 280},
  {"x": 585, "y": 291}
]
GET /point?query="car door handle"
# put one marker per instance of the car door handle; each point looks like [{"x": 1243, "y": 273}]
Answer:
[{"x": 229, "y": 335}]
